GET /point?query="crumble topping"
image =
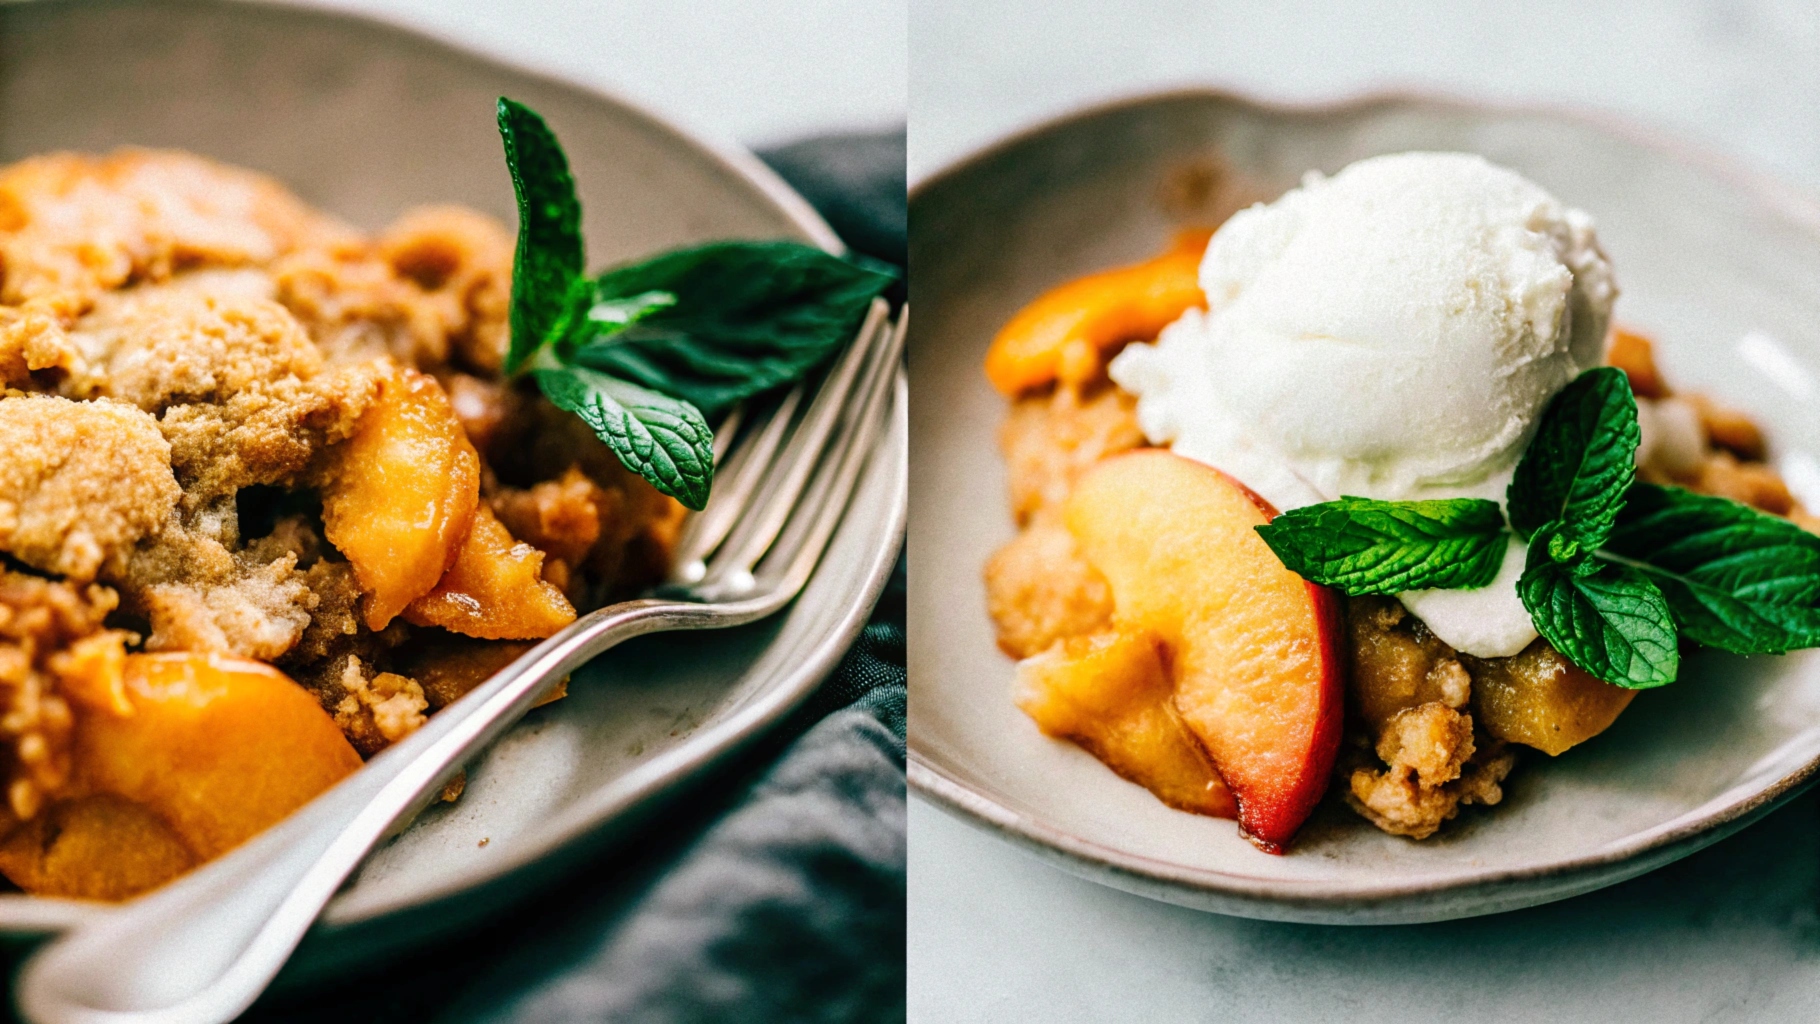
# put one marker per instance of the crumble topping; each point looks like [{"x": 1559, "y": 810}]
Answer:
[
  {"x": 1414, "y": 754},
  {"x": 1050, "y": 440},
  {"x": 434, "y": 287},
  {"x": 1039, "y": 590},
  {"x": 72, "y": 226},
  {"x": 80, "y": 483},
  {"x": 55, "y": 652},
  {"x": 378, "y": 711}
]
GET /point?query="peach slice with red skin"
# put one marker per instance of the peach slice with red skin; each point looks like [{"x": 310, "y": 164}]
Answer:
[
  {"x": 1110, "y": 693},
  {"x": 1254, "y": 648}
]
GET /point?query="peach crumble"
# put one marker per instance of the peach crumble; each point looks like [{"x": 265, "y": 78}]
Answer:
[
  {"x": 249, "y": 447},
  {"x": 276, "y": 490},
  {"x": 1131, "y": 593}
]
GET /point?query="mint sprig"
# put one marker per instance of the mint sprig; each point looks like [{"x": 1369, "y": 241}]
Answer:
[
  {"x": 745, "y": 318},
  {"x": 1582, "y": 459},
  {"x": 1735, "y": 578},
  {"x": 1616, "y": 571},
  {"x": 644, "y": 352},
  {"x": 1362, "y": 546},
  {"x": 549, "y": 256},
  {"x": 1566, "y": 493},
  {"x": 1608, "y": 619},
  {"x": 663, "y": 439}
]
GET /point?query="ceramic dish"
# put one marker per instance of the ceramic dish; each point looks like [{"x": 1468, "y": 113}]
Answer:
[
  {"x": 1722, "y": 269},
  {"x": 365, "y": 121}
]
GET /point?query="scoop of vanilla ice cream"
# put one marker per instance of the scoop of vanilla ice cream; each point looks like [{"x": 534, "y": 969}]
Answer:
[{"x": 1391, "y": 332}]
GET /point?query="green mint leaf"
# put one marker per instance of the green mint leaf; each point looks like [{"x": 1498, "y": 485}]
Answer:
[
  {"x": 549, "y": 257},
  {"x": 1735, "y": 578},
  {"x": 1608, "y": 619},
  {"x": 1362, "y": 546},
  {"x": 1554, "y": 542},
  {"x": 747, "y": 317},
  {"x": 1581, "y": 462},
  {"x": 611, "y": 313},
  {"x": 663, "y": 439}
]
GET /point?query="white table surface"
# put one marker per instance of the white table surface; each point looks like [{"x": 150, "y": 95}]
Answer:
[{"x": 1731, "y": 934}]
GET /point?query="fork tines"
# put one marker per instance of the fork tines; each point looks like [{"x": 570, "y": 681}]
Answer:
[{"x": 785, "y": 479}]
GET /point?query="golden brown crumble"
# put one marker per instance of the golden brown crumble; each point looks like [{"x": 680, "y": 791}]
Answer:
[
  {"x": 435, "y": 286},
  {"x": 1040, "y": 590},
  {"x": 186, "y": 340},
  {"x": 1396, "y": 798},
  {"x": 55, "y": 655},
  {"x": 80, "y": 482},
  {"x": 560, "y": 516},
  {"x": 1410, "y": 698},
  {"x": 380, "y": 711},
  {"x": 73, "y": 226},
  {"x": 1049, "y": 440}
]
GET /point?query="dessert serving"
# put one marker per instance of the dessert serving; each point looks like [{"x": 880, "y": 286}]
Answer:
[
  {"x": 1366, "y": 488},
  {"x": 275, "y": 490}
]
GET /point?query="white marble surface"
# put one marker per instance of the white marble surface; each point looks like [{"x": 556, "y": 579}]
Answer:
[
  {"x": 1731, "y": 934},
  {"x": 760, "y": 72}
]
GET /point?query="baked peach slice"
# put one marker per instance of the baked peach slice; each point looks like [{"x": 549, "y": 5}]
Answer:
[
  {"x": 1254, "y": 648},
  {"x": 96, "y": 847},
  {"x": 1542, "y": 700},
  {"x": 398, "y": 496},
  {"x": 1078, "y": 321},
  {"x": 1110, "y": 693},
  {"x": 218, "y": 748},
  {"x": 495, "y": 590},
  {"x": 197, "y": 754}
]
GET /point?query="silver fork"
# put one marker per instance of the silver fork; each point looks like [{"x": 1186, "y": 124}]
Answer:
[{"x": 201, "y": 949}]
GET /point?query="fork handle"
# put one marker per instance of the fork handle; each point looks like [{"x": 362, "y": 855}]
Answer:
[{"x": 201, "y": 949}]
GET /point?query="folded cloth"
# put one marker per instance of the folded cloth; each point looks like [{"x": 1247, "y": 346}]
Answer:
[
  {"x": 781, "y": 901},
  {"x": 791, "y": 908},
  {"x": 857, "y": 184}
]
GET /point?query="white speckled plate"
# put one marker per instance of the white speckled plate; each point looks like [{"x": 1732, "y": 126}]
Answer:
[
  {"x": 1723, "y": 269},
  {"x": 367, "y": 120}
]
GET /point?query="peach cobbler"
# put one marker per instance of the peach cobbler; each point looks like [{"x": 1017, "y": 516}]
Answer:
[
  {"x": 272, "y": 491},
  {"x": 1366, "y": 489}
]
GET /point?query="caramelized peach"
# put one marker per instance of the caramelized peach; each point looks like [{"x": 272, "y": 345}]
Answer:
[
  {"x": 449, "y": 666},
  {"x": 218, "y": 748},
  {"x": 1394, "y": 667},
  {"x": 1541, "y": 699},
  {"x": 1110, "y": 693},
  {"x": 1100, "y": 311},
  {"x": 98, "y": 847},
  {"x": 398, "y": 496},
  {"x": 495, "y": 590},
  {"x": 1253, "y": 646},
  {"x": 1636, "y": 356}
]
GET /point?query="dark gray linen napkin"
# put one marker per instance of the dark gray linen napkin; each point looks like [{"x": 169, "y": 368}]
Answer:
[{"x": 776, "y": 891}]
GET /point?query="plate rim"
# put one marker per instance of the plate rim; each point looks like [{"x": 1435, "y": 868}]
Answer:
[{"x": 1236, "y": 892}]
